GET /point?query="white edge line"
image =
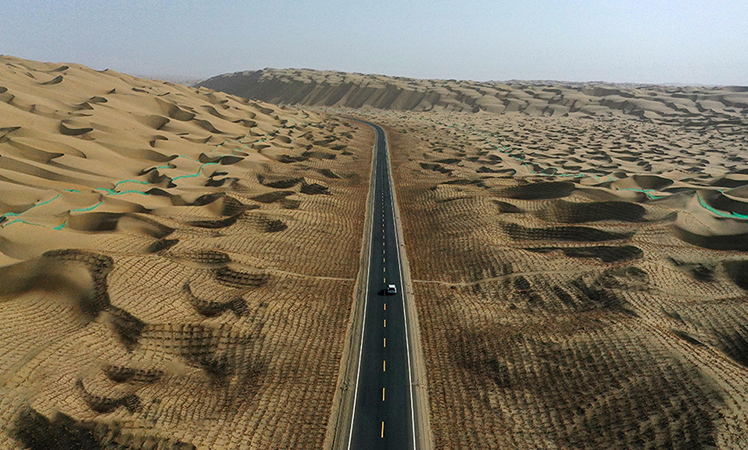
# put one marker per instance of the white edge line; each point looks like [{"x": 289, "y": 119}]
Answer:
[
  {"x": 402, "y": 295},
  {"x": 366, "y": 298}
]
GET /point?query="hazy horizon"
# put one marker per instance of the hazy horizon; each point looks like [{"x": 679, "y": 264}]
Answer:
[{"x": 634, "y": 41}]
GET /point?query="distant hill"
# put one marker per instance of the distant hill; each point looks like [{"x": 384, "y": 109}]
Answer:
[
  {"x": 177, "y": 79},
  {"x": 720, "y": 105}
]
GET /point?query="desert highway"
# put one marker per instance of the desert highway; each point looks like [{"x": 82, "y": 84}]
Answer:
[{"x": 382, "y": 412}]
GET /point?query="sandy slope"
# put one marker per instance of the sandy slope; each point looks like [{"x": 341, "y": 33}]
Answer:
[
  {"x": 176, "y": 264},
  {"x": 725, "y": 107},
  {"x": 579, "y": 283},
  {"x": 579, "y": 253}
]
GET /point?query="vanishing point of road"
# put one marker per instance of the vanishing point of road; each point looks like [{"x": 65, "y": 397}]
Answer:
[{"x": 383, "y": 409}]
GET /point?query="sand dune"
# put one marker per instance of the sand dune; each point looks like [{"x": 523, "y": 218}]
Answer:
[
  {"x": 177, "y": 263},
  {"x": 580, "y": 283},
  {"x": 168, "y": 276},
  {"x": 724, "y": 107}
]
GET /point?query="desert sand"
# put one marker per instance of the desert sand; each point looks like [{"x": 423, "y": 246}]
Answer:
[
  {"x": 176, "y": 264},
  {"x": 721, "y": 107},
  {"x": 578, "y": 253},
  {"x": 580, "y": 283}
]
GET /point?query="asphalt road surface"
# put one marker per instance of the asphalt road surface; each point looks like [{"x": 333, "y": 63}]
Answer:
[{"x": 382, "y": 417}]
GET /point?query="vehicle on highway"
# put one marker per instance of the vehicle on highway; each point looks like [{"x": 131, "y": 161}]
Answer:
[{"x": 391, "y": 289}]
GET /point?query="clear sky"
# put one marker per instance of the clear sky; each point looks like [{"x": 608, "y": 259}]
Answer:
[{"x": 649, "y": 41}]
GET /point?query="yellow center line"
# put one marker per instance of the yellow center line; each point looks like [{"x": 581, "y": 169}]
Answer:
[
  {"x": 384, "y": 366},
  {"x": 385, "y": 342},
  {"x": 383, "y": 260},
  {"x": 382, "y": 394},
  {"x": 382, "y": 435},
  {"x": 385, "y": 323},
  {"x": 384, "y": 269}
]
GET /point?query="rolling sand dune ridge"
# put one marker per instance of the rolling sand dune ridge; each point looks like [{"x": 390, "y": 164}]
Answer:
[
  {"x": 722, "y": 107},
  {"x": 176, "y": 264}
]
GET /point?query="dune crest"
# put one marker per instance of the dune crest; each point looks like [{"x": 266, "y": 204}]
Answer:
[{"x": 723, "y": 106}]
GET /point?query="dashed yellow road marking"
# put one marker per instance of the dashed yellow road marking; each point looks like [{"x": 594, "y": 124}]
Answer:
[
  {"x": 382, "y": 394},
  {"x": 382, "y": 434},
  {"x": 385, "y": 323},
  {"x": 385, "y": 342},
  {"x": 384, "y": 269},
  {"x": 384, "y": 365},
  {"x": 385, "y": 306}
]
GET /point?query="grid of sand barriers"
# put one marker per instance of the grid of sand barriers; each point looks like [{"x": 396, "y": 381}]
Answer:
[
  {"x": 593, "y": 304},
  {"x": 176, "y": 264}
]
